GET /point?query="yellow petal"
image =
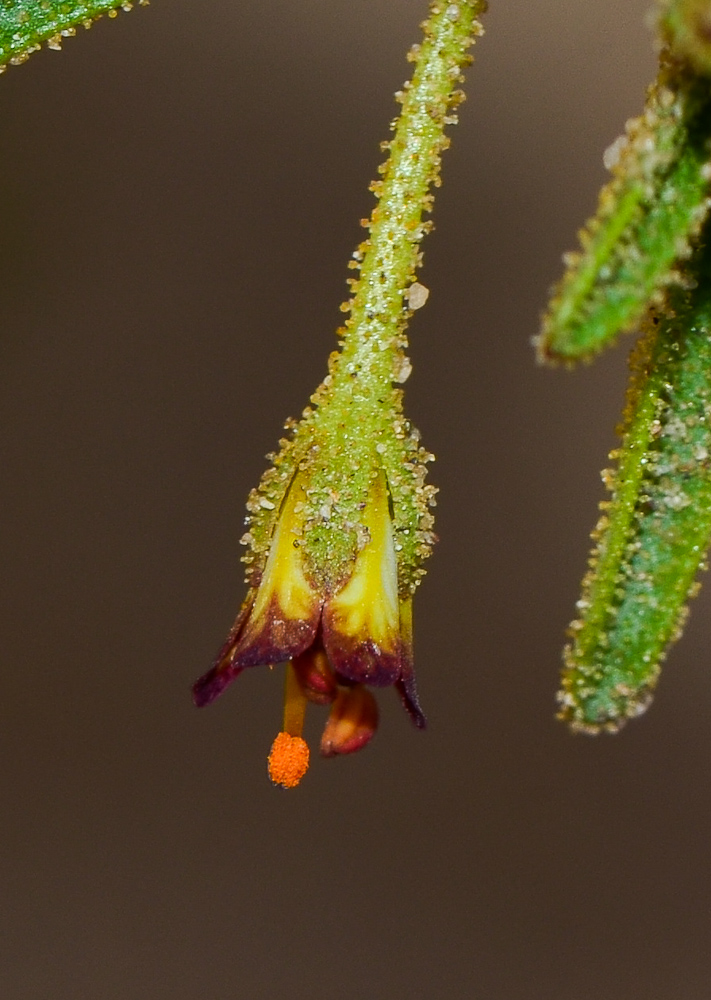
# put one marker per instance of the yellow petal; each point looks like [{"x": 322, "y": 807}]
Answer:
[
  {"x": 367, "y": 607},
  {"x": 286, "y": 609},
  {"x": 361, "y": 623}
]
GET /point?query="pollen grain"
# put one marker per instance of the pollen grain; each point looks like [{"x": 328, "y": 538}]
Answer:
[{"x": 288, "y": 760}]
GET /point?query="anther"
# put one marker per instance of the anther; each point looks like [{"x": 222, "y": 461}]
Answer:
[{"x": 288, "y": 760}]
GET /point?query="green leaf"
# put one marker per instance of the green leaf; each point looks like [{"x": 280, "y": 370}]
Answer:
[
  {"x": 685, "y": 26},
  {"x": 655, "y": 532},
  {"x": 648, "y": 218},
  {"x": 26, "y": 24}
]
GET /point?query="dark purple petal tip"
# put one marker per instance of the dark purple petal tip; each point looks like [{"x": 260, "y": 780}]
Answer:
[
  {"x": 211, "y": 685},
  {"x": 408, "y": 695}
]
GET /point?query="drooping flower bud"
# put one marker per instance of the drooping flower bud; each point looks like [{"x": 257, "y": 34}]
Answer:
[{"x": 340, "y": 525}]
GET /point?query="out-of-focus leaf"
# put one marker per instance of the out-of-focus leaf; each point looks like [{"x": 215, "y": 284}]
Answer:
[{"x": 26, "y": 24}]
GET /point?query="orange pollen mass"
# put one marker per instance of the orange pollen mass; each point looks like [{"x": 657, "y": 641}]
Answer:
[{"x": 288, "y": 760}]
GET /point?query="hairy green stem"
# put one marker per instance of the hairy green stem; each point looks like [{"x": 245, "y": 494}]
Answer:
[{"x": 388, "y": 259}]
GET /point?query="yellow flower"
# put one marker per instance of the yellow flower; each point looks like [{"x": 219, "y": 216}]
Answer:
[{"x": 338, "y": 636}]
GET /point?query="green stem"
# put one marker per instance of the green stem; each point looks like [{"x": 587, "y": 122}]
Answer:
[{"x": 389, "y": 258}]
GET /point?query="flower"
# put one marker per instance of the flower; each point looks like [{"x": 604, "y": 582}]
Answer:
[{"x": 342, "y": 631}]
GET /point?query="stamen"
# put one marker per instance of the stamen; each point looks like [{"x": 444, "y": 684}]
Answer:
[
  {"x": 289, "y": 755},
  {"x": 288, "y": 760},
  {"x": 295, "y": 702}
]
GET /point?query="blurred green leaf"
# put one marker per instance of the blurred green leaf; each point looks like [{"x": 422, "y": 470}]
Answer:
[{"x": 26, "y": 24}]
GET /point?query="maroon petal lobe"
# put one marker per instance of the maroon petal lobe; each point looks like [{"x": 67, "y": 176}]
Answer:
[
  {"x": 362, "y": 661},
  {"x": 274, "y": 637},
  {"x": 352, "y": 722},
  {"x": 222, "y": 672},
  {"x": 213, "y": 683},
  {"x": 317, "y": 679},
  {"x": 256, "y": 639}
]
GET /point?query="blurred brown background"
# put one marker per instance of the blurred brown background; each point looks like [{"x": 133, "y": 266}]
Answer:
[{"x": 180, "y": 193}]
